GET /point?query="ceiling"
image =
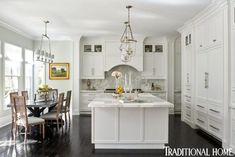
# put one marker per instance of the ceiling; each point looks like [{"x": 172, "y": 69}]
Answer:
[{"x": 71, "y": 18}]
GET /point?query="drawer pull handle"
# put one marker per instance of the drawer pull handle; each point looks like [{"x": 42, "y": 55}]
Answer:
[
  {"x": 200, "y": 106},
  {"x": 90, "y": 100},
  {"x": 214, "y": 40},
  {"x": 200, "y": 120},
  {"x": 188, "y": 107},
  {"x": 214, "y": 111},
  {"x": 214, "y": 127},
  {"x": 188, "y": 115}
]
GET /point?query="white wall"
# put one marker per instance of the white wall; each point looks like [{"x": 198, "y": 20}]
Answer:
[
  {"x": 6, "y": 35},
  {"x": 66, "y": 52}
]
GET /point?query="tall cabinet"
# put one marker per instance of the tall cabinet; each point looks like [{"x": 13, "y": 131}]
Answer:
[
  {"x": 232, "y": 71},
  {"x": 204, "y": 70},
  {"x": 187, "y": 40}
]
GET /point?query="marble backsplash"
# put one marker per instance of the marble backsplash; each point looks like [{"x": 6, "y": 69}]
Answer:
[{"x": 136, "y": 79}]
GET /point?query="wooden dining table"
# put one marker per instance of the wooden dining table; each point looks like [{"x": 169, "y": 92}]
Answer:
[{"x": 38, "y": 106}]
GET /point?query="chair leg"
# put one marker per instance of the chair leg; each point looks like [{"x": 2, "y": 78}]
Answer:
[
  {"x": 15, "y": 131},
  {"x": 65, "y": 115},
  {"x": 69, "y": 118},
  {"x": 57, "y": 122},
  {"x": 43, "y": 131},
  {"x": 25, "y": 135}
]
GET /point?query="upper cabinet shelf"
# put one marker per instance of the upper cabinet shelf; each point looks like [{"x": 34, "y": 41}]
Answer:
[
  {"x": 209, "y": 33},
  {"x": 92, "y": 48}
]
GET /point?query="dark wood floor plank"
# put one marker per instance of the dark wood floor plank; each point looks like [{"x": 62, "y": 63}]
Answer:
[{"x": 76, "y": 142}]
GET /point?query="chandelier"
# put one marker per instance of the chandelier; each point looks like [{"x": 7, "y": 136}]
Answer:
[
  {"x": 44, "y": 55},
  {"x": 128, "y": 43}
]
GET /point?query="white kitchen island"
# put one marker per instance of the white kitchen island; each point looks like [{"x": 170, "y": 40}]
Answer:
[{"x": 141, "y": 124}]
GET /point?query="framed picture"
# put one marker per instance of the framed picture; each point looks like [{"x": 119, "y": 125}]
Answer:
[
  {"x": 87, "y": 48},
  {"x": 59, "y": 71},
  {"x": 148, "y": 48},
  {"x": 98, "y": 48},
  {"x": 159, "y": 48}
]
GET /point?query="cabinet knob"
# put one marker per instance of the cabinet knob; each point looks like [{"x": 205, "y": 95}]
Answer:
[
  {"x": 214, "y": 40},
  {"x": 200, "y": 45}
]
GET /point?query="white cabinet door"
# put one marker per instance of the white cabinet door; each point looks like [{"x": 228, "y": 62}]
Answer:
[
  {"x": 202, "y": 70},
  {"x": 200, "y": 36},
  {"x": 148, "y": 65},
  {"x": 87, "y": 66},
  {"x": 92, "y": 66},
  {"x": 215, "y": 29},
  {"x": 98, "y": 66},
  {"x": 159, "y": 68},
  {"x": 219, "y": 31},
  {"x": 215, "y": 76}
]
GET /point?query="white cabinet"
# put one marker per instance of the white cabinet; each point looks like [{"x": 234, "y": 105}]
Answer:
[
  {"x": 210, "y": 76},
  {"x": 92, "y": 66},
  {"x": 155, "y": 65},
  {"x": 210, "y": 31},
  {"x": 85, "y": 98}
]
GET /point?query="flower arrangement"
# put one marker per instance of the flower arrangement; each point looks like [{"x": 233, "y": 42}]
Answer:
[
  {"x": 43, "y": 88},
  {"x": 117, "y": 75}
]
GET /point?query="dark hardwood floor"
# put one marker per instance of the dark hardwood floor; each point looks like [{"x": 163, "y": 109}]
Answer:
[{"x": 76, "y": 142}]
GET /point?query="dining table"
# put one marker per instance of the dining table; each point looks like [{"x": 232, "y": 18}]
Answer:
[{"x": 36, "y": 107}]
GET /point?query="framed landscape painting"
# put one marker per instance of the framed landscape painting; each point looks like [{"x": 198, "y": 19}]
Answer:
[{"x": 59, "y": 71}]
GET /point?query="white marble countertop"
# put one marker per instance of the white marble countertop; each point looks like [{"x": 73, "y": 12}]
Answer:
[
  {"x": 143, "y": 100},
  {"x": 154, "y": 91}
]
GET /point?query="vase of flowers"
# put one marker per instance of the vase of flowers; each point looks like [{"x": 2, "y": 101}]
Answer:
[
  {"x": 118, "y": 87},
  {"x": 43, "y": 90}
]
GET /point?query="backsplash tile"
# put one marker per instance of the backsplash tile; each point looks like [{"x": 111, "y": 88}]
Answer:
[{"x": 109, "y": 81}]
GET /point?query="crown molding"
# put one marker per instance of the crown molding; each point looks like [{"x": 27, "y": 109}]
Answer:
[{"x": 16, "y": 30}]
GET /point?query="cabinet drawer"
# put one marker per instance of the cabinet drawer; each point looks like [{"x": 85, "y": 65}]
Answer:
[
  {"x": 188, "y": 105},
  {"x": 188, "y": 98},
  {"x": 215, "y": 127},
  {"x": 215, "y": 111},
  {"x": 201, "y": 107},
  {"x": 188, "y": 114},
  {"x": 201, "y": 120},
  {"x": 188, "y": 88}
]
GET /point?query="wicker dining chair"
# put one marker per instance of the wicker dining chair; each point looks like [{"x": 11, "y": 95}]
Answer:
[
  {"x": 66, "y": 109},
  {"x": 55, "y": 116},
  {"x": 22, "y": 118},
  {"x": 25, "y": 94},
  {"x": 12, "y": 95}
]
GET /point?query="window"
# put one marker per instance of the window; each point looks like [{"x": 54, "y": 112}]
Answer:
[
  {"x": 28, "y": 58},
  {"x": 13, "y": 68}
]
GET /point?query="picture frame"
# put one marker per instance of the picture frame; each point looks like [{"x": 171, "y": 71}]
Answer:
[
  {"x": 159, "y": 48},
  {"x": 148, "y": 48},
  {"x": 59, "y": 71},
  {"x": 98, "y": 48},
  {"x": 87, "y": 48}
]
